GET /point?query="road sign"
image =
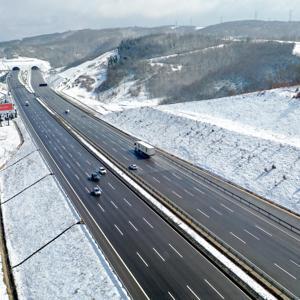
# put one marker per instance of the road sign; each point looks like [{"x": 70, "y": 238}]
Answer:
[{"x": 6, "y": 108}]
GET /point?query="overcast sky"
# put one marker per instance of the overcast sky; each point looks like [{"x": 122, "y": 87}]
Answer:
[{"x": 21, "y": 18}]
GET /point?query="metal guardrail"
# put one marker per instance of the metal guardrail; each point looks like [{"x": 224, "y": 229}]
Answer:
[
  {"x": 197, "y": 171},
  {"x": 259, "y": 275}
]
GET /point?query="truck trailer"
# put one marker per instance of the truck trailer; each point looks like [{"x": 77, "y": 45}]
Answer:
[{"x": 143, "y": 148}]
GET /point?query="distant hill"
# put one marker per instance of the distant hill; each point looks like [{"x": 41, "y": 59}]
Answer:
[
  {"x": 74, "y": 47},
  {"x": 286, "y": 31}
]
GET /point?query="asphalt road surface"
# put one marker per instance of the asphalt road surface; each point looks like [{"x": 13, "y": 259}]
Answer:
[
  {"x": 165, "y": 265},
  {"x": 269, "y": 246}
]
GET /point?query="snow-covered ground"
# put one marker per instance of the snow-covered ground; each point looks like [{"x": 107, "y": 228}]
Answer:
[
  {"x": 81, "y": 82},
  {"x": 51, "y": 261},
  {"x": 252, "y": 140},
  {"x": 9, "y": 141}
]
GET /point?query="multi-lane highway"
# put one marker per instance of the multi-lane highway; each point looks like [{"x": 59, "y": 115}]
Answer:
[
  {"x": 163, "y": 263},
  {"x": 267, "y": 245}
]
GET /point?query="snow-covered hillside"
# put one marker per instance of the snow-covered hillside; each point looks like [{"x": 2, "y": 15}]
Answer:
[
  {"x": 81, "y": 83},
  {"x": 252, "y": 140}
]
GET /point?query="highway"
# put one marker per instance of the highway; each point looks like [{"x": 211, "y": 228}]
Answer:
[
  {"x": 163, "y": 263},
  {"x": 267, "y": 245}
]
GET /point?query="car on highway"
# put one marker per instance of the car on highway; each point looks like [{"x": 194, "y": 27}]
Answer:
[
  {"x": 67, "y": 111},
  {"x": 43, "y": 84},
  {"x": 26, "y": 103},
  {"x": 95, "y": 177},
  {"x": 102, "y": 171},
  {"x": 97, "y": 191},
  {"x": 132, "y": 167}
]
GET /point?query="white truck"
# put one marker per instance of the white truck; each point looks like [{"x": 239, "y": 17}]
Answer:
[{"x": 143, "y": 148}]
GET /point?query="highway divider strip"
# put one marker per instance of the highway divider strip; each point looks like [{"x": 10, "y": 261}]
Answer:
[
  {"x": 197, "y": 235},
  {"x": 238, "y": 193}
]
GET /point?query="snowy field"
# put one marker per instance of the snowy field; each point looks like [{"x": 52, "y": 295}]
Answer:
[
  {"x": 53, "y": 256},
  {"x": 9, "y": 141},
  {"x": 252, "y": 140}
]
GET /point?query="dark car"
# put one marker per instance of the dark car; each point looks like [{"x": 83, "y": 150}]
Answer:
[
  {"x": 95, "y": 177},
  {"x": 132, "y": 167},
  {"x": 43, "y": 84}
]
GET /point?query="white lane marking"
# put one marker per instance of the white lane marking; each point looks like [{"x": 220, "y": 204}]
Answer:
[
  {"x": 63, "y": 147},
  {"x": 175, "y": 175},
  {"x": 104, "y": 143},
  {"x": 285, "y": 271},
  {"x": 70, "y": 155},
  {"x": 195, "y": 295},
  {"x": 127, "y": 201},
  {"x": 214, "y": 288},
  {"x": 172, "y": 297},
  {"x": 79, "y": 153},
  {"x": 114, "y": 204},
  {"x": 87, "y": 174},
  {"x": 158, "y": 254},
  {"x": 61, "y": 156},
  {"x": 87, "y": 189},
  {"x": 77, "y": 176},
  {"x": 55, "y": 149},
  {"x": 238, "y": 238},
  {"x": 216, "y": 211},
  {"x": 68, "y": 166},
  {"x": 148, "y": 223},
  {"x": 229, "y": 209},
  {"x": 88, "y": 162},
  {"x": 198, "y": 190},
  {"x": 252, "y": 234},
  {"x": 111, "y": 186},
  {"x": 266, "y": 232},
  {"x": 114, "y": 149},
  {"x": 176, "y": 194},
  {"x": 175, "y": 251},
  {"x": 78, "y": 164},
  {"x": 72, "y": 146},
  {"x": 293, "y": 262},
  {"x": 133, "y": 226},
  {"x": 167, "y": 178},
  {"x": 118, "y": 229},
  {"x": 125, "y": 157},
  {"x": 101, "y": 207},
  {"x": 204, "y": 214},
  {"x": 139, "y": 255},
  {"x": 189, "y": 193},
  {"x": 155, "y": 179}
]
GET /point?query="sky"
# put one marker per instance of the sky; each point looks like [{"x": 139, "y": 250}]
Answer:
[{"x": 23, "y": 18}]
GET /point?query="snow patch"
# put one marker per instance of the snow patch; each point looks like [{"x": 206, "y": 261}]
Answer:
[{"x": 296, "y": 50}]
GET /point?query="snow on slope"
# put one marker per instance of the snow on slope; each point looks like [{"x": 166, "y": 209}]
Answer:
[
  {"x": 238, "y": 138},
  {"x": 34, "y": 213},
  {"x": 81, "y": 82},
  {"x": 297, "y": 49}
]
